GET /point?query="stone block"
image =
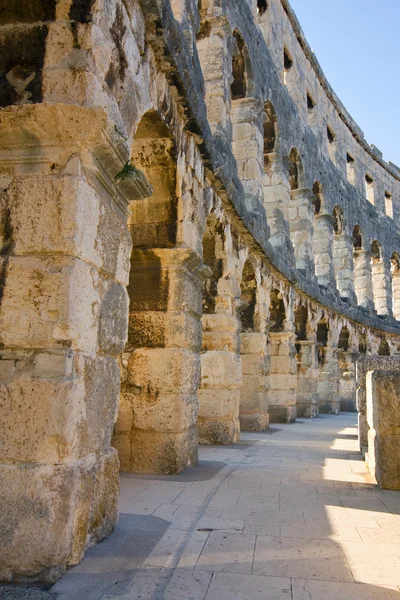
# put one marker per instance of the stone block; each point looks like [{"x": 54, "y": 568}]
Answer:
[
  {"x": 165, "y": 412},
  {"x": 383, "y": 415},
  {"x": 156, "y": 370},
  {"x": 218, "y": 403},
  {"x": 253, "y": 343},
  {"x": 59, "y": 419},
  {"x": 50, "y": 301},
  {"x": 223, "y": 432},
  {"x": 221, "y": 370},
  {"x": 158, "y": 329},
  {"x": 163, "y": 453},
  {"x": 49, "y": 513},
  {"x": 254, "y": 422}
]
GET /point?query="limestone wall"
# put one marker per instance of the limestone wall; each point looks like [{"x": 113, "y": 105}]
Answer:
[{"x": 180, "y": 253}]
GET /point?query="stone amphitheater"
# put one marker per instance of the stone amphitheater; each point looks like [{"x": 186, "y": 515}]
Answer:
[{"x": 196, "y": 240}]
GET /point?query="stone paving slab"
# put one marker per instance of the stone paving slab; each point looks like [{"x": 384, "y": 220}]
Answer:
[{"x": 291, "y": 516}]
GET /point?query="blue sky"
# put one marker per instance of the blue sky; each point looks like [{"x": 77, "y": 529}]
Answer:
[{"x": 357, "y": 43}]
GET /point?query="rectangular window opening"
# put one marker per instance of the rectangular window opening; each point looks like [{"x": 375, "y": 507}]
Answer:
[
  {"x": 331, "y": 135},
  {"x": 351, "y": 178},
  {"x": 389, "y": 205},
  {"x": 310, "y": 102},
  {"x": 369, "y": 189},
  {"x": 331, "y": 144},
  {"x": 287, "y": 64}
]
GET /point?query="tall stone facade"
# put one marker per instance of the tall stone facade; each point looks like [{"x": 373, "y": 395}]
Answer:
[{"x": 195, "y": 239}]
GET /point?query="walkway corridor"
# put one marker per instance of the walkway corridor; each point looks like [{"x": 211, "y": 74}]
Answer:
[{"x": 287, "y": 514}]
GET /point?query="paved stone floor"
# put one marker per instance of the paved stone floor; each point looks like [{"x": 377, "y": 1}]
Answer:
[{"x": 287, "y": 514}]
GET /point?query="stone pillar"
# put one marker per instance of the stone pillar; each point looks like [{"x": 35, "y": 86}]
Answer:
[
  {"x": 307, "y": 379},
  {"x": 301, "y": 213},
  {"x": 63, "y": 321},
  {"x": 156, "y": 430},
  {"x": 253, "y": 410},
  {"x": 276, "y": 194},
  {"x": 247, "y": 147},
  {"x": 383, "y": 413},
  {"x": 343, "y": 266},
  {"x": 361, "y": 401},
  {"x": 381, "y": 288},
  {"x": 215, "y": 61},
  {"x": 396, "y": 295},
  {"x": 363, "y": 279},
  {"x": 322, "y": 248},
  {"x": 282, "y": 379},
  {"x": 328, "y": 380},
  {"x": 347, "y": 381},
  {"x": 221, "y": 378}
]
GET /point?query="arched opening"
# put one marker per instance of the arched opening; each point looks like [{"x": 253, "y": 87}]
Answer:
[
  {"x": 375, "y": 252},
  {"x": 344, "y": 337},
  {"x": 380, "y": 281},
  {"x": 213, "y": 255},
  {"x": 262, "y": 6},
  {"x": 240, "y": 68},
  {"x": 295, "y": 169},
  {"x": 362, "y": 343},
  {"x": 362, "y": 271},
  {"x": 338, "y": 220},
  {"x": 383, "y": 349},
  {"x": 318, "y": 199},
  {"x": 357, "y": 238},
  {"x": 300, "y": 323},
  {"x": 322, "y": 340},
  {"x": 150, "y": 398},
  {"x": 270, "y": 126},
  {"x": 395, "y": 273},
  {"x": 153, "y": 220},
  {"x": 277, "y": 314},
  {"x": 248, "y": 287}
]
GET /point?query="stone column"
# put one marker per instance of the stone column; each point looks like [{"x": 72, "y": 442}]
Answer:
[
  {"x": 221, "y": 377},
  {"x": 363, "y": 279},
  {"x": 383, "y": 413},
  {"x": 347, "y": 381},
  {"x": 156, "y": 430},
  {"x": 247, "y": 147},
  {"x": 381, "y": 288},
  {"x": 322, "y": 248},
  {"x": 253, "y": 410},
  {"x": 301, "y": 212},
  {"x": 343, "y": 266},
  {"x": 328, "y": 380},
  {"x": 396, "y": 295},
  {"x": 307, "y": 379},
  {"x": 276, "y": 194},
  {"x": 215, "y": 61},
  {"x": 63, "y": 321},
  {"x": 282, "y": 379}
]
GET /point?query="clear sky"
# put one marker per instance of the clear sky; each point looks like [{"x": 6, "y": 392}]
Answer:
[{"x": 357, "y": 43}]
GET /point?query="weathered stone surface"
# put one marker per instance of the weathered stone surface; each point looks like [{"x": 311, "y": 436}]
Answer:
[{"x": 383, "y": 415}]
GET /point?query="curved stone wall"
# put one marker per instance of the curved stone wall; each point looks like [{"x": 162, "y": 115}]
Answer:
[{"x": 164, "y": 153}]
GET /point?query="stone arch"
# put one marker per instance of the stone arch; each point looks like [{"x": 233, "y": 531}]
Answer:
[
  {"x": 295, "y": 170},
  {"x": 241, "y": 85},
  {"x": 322, "y": 332},
  {"x": 277, "y": 312},
  {"x": 270, "y": 130},
  {"x": 384, "y": 349},
  {"x": 344, "y": 339},
  {"x": 213, "y": 258},
  {"x": 248, "y": 288},
  {"x": 395, "y": 273}
]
